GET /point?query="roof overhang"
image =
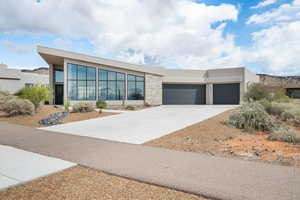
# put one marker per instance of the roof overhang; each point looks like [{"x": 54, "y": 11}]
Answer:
[{"x": 56, "y": 57}]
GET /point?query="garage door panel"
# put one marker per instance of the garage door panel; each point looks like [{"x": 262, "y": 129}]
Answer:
[
  {"x": 226, "y": 93},
  {"x": 183, "y": 94}
]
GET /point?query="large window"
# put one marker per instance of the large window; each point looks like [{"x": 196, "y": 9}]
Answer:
[
  {"x": 135, "y": 87},
  {"x": 81, "y": 82},
  {"x": 111, "y": 85}
]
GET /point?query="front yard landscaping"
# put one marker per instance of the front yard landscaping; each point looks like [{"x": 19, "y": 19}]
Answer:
[{"x": 44, "y": 111}]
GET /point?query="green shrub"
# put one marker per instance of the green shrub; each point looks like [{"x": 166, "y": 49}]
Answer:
[
  {"x": 36, "y": 94},
  {"x": 277, "y": 109},
  {"x": 130, "y": 108},
  {"x": 256, "y": 92},
  {"x": 17, "y": 106},
  {"x": 292, "y": 115},
  {"x": 285, "y": 134},
  {"x": 280, "y": 96},
  {"x": 101, "y": 104},
  {"x": 67, "y": 105},
  {"x": 83, "y": 107},
  {"x": 252, "y": 116}
]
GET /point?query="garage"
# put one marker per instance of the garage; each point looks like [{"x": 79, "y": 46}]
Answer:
[
  {"x": 182, "y": 94},
  {"x": 226, "y": 93}
]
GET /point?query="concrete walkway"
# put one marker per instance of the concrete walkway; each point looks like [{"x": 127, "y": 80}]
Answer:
[
  {"x": 138, "y": 127},
  {"x": 18, "y": 166},
  {"x": 196, "y": 173}
]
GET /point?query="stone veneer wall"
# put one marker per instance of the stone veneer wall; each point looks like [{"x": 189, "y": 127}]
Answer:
[
  {"x": 153, "y": 89},
  {"x": 280, "y": 81}
]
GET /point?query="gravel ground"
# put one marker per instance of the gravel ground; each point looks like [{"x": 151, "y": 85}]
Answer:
[
  {"x": 81, "y": 183},
  {"x": 46, "y": 110}
]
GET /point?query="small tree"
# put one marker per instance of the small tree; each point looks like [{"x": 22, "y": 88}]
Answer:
[
  {"x": 256, "y": 92},
  {"x": 36, "y": 94}
]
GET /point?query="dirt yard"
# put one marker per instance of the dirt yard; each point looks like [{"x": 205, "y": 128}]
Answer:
[
  {"x": 46, "y": 110},
  {"x": 81, "y": 183},
  {"x": 215, "y": 138}
]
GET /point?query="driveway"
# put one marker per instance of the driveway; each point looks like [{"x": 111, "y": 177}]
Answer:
[{"x": 138, "y": 127}]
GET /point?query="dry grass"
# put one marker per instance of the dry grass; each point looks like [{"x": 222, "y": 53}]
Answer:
[
  {"x": 46, "y": 110},
  {"x": 81, "y": 183}
]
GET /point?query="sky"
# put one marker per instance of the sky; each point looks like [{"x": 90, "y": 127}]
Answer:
[{"x": 262, "y": 35}]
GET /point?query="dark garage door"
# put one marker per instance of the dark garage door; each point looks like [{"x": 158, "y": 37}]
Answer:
[
  {"x": 184, "y": 94},
  {"x": 226, "y": 93}
]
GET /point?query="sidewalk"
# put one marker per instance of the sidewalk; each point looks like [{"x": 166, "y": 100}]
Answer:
[{"x": 214, "y": 177}]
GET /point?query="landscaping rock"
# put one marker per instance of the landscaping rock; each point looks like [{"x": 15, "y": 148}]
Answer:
[{"x": 53, "y": 119}]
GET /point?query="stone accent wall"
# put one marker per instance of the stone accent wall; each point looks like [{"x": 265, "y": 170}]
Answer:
[
  {"x": 280, "y": 81},
  {"x": 153, "y": 89}
]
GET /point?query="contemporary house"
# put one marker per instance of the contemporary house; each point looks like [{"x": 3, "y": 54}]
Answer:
[
  {"x": 12, "y": 80},
  {"x": 79, "y": 77}
]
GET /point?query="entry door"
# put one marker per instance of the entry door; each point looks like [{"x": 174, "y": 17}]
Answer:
[
  {"x": 59, "y": 94},
  {"x": 181, "y": 94}
]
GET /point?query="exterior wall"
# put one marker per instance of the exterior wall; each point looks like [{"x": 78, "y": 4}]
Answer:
[
  {"x": 249, "y": 78},
  {"x": 153, "y": 89},
  {"x": 280, "y": 81},
  {"x": 12, "y": 80}
]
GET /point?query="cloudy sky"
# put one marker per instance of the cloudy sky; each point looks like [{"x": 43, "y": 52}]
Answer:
[{"x": 263, "y": 35}]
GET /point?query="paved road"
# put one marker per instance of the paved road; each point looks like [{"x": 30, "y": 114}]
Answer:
[
  {"x": 214, "y": 177},
  {"x": 138, "y": 127},
  {"x": 18, "y": 166}
]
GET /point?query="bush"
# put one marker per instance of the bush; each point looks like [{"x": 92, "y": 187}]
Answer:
[
  {"x": 280, "y": 96},
  {"x": 36, "y": 94},
  {"x": 292, "y": 115},
  {"x": 130, "y": 108},
  {"x": 252, "y": 116},
  {"x": 285, "y": 134},
  {"x": 4, "y": 97},
  {"x": 277, "y": 109},
  {"x": 101, "y": 104},
  {"x": 17, "y": 106},
  {"x": 256, "y": 92},
  {"x": 67, "y": 105},
  {"x": 83, "y": 107}
]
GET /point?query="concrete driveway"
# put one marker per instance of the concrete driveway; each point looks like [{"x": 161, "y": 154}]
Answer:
[{"x": 138, "y": 127}]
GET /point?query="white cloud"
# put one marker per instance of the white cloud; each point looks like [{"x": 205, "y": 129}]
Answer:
[
  {"x": 62, "y": 43},
  {"x": 285, "y": 13},
  {"x": 264, "y": 3},
  {"x": 160, "y": 32},
  {"x": 18, "y": 48},
  {"x": 276, "y": 47}
]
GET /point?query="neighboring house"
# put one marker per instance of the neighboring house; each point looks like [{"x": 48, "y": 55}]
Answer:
[
  {"x": 40, "y": 70},
  {"x": 78, "y": 77},
  {"x": 290, "y": 83},
  {"x": 12, "y": 80}
]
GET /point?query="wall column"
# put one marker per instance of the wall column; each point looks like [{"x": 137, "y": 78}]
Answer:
[
  {"x": 51, "y": 82},
  {"x": 209, "y": 93}
]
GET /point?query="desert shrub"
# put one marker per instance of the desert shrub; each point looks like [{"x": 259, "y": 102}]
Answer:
[
  {"x": 252, "y": 116},
  {"x": 292, "y": 115},
  {"x": 17, "y": 106},
  {"x": 83, "y": 107},
  {"x": 285, "y": 134},
  {"x": 36, "y": 94},
  {"x": 67, "y": 105},
  {"x": 277, "y": 109},
  {"x": 256, "y": 92},
  {"x": 280, "y": 96},
  {"x": 4, "y": 97},
  {"x": 130, "y": 108},
  {"x": 101, "y": 104}
]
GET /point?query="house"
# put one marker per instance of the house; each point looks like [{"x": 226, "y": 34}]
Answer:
[
  {"x": 78, "y": 77},
  {"x": 12, "y": 80},
  {"x": 290, "y": 83}
]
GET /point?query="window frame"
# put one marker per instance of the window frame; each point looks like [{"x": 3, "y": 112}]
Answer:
[
  {"x": 80, "y": 80},
  {"x": 107, "y": 81},
  {"x": 135, "y": 86}
]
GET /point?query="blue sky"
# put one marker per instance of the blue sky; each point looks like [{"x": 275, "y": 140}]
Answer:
[{"x": 262, "y": 35}]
